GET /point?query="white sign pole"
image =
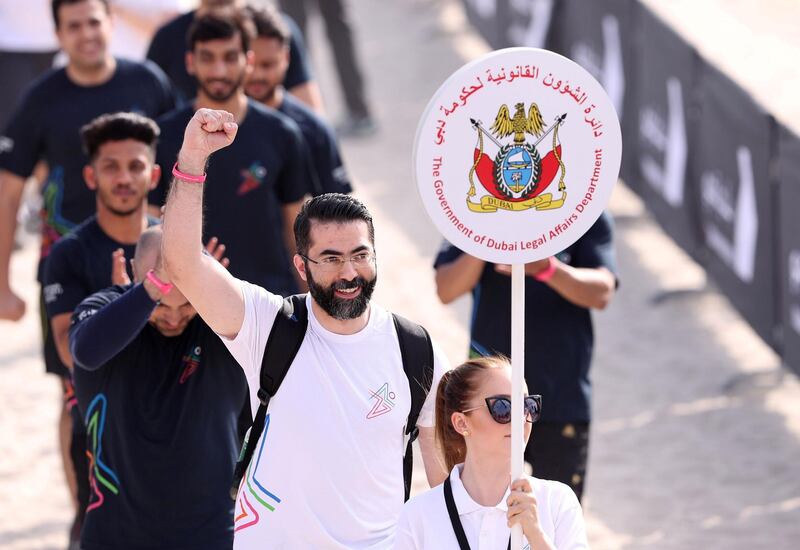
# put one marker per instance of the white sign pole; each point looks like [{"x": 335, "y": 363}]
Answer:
[{"x": 517, "y": 382}]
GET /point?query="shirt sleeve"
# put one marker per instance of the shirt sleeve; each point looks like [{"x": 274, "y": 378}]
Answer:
[
  {"x": 596, "y": 247},
  {"x": 260, "y": 309},
  {"x": 63, "y": 287},
  {"x": 570, "y": 529},
  {"x": 298, "y": 71},
  {"x": 23, "y": 140},
  {"x": 297, "y": 177},
  {"x": 441, "y": 364},
  {"x": 447, "y": 253},
  {"x": 333, "y": 176},
  {"x": 165, "y": 94}
]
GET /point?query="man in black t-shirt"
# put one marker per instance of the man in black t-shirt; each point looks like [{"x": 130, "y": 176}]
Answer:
[
  {"x": 560, "y": 293},
  {"x": 160, "y": 396},
  {"x": 263, "y": 178},
  {"x": 121, "y": 171},
  {"x": 169, "y": 47},
  {"x": 271, "y": 49}
]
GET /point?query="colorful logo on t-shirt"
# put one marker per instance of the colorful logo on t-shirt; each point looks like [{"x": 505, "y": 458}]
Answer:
[
  {"x": 384, "y": 401},
  {"x": 246, "y": 514},
  {"x": 99, "y": 473},
  {"x": 253, "y": 178},
  {"x": 54, "y": 224},
  {"x": 190, "y": 362}
]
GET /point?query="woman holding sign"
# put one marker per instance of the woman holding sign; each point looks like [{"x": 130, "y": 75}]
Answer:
[{"x": 476, "y": 506}]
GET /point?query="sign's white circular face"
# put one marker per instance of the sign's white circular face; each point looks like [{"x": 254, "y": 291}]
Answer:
[{"x": 516, "y": 155}]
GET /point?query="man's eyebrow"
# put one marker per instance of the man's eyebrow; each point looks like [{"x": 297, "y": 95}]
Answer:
[{"x": 331, "y": 252}]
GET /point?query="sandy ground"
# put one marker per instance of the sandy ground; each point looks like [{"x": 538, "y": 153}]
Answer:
[{"x": 696, "y": 437}]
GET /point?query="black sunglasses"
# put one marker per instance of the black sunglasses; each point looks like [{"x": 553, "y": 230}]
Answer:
[{"x": 500, "y": 408}]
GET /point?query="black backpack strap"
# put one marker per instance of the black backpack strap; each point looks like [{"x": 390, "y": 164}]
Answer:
[
  {"x": 416, "y": 352},
  {"x": 452, "y": 511},
  {"x": 283, "y": 343}
]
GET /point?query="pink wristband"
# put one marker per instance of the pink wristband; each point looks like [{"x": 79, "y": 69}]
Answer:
[
  {"x": 547, "y": 273},
  {"x": 187, "y": 177},
  {"x": 162, "y": 287}
]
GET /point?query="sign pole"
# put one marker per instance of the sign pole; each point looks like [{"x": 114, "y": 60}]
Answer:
[{"x": 517, "y": 382}]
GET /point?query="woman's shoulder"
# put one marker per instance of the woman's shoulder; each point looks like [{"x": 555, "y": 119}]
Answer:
[
  {"x": 553, "y": 493},
  {"x": 424, "y": 503}
]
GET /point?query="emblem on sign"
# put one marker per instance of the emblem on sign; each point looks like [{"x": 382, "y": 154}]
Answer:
[
  {"x": 518, "y": 175},
  {"x": 516, "y": 155}
]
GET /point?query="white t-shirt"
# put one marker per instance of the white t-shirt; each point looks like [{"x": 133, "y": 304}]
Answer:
[
  {"x": 327, "y": 471},
  {"x": 424, "y": 523}
]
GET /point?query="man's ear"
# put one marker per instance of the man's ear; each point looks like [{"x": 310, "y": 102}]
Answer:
[
  {"x": 89, "y": 177},
  {"x": 300, "y": 266},
  {"x": 190, "y": 63},
  {"x": 155, "y": 177}
]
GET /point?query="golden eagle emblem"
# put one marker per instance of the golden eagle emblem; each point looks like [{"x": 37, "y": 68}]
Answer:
[{"x": 504, "y": 125}]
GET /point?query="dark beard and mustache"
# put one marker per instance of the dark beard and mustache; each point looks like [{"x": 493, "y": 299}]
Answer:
[
  {"x": 342, "y": 308},
  {"x": 233, "y": 87}
]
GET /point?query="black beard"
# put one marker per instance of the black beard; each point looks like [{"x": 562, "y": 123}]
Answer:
[
  {"x": 342, "y": 308},
  {"x": 221, "y": 98}
]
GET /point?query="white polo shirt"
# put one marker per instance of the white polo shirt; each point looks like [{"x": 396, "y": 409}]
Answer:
[
  {"x": 425, "y": 524},
  {"x": 327, "y": 471}
]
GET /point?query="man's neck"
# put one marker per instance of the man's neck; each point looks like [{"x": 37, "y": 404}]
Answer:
[
  {"x": 276, "y": 100},
  {"x": 236, "y": 105},
  {"x": 92, "y": 77},
  {"x": 485, "y": 480},
  {"x": 123, "y": 229},
  {"x": 337, "y": 326}
]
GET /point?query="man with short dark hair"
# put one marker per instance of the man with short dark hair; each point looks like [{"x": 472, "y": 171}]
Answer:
[
  {"x": 328, "y": 469},
  {"x": 169, "y": 48},
  {"x": 121, "y": 171},
  {"x": 160, "y": 396},
  {"x": 263, "y": 179},
  {"x": 271, "y": 51},
  {"x": 45, "y": 128}
]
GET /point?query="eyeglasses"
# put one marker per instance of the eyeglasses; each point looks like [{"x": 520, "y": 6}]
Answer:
[
  {"x": 335, "y": 263},
  {"x": 500, "y": 408}
]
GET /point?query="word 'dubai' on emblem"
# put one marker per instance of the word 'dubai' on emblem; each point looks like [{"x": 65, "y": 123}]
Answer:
[{"x": 517, "y": 154}]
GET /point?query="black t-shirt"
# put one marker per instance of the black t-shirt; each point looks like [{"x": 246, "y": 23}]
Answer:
[
  {"x": 322, "y": 146},
  {"x": 47, "y": 127},
  {"x": 266, "y": 167},
  {"x": 559, "y": 338},
  {"x": 161, "y": 418},
  {"x": 169, "y": 46},
  {"x": 79, "y": 264}
]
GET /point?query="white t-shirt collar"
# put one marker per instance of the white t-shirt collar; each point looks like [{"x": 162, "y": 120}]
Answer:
[{"x": 317, "y": 327}]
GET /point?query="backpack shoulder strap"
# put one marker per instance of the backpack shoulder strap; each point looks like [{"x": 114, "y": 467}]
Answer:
[
  {"x": 283, "y": 343},
  {"x": 416, "y": 352}
]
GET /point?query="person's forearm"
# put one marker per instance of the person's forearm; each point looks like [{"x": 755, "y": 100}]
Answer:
[
  {"x": 590, "y": 288},
  {"x": 458, "y": 277},
  {"x": 10, "y": 196},
  {"x": 95, "y": 340},
  {"x": 182, "y": 245}
]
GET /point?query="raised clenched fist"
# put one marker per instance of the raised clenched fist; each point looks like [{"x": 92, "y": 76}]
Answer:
[{"x": 208, "y": 131}]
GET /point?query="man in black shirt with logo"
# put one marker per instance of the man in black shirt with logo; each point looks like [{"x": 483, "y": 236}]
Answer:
[
  {"x": 169, "y": 47},
  {"x": 271, "y": 50},
  {"x": 263, "y": 178},
  {"x": 160, "y": 396},
  {"x": 121, "y": 171}
]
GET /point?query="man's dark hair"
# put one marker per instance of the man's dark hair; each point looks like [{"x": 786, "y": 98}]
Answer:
[
  {"x": 118, "y": 127},
  {"x": 221, "y": 26},
  {"x": 327, "y": 208},
  {"x": 269, "y": 23},
  {"x": 56, "y": 5}
]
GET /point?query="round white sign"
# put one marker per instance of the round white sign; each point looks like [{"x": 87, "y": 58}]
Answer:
[{"x": 516, "y": 155}]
